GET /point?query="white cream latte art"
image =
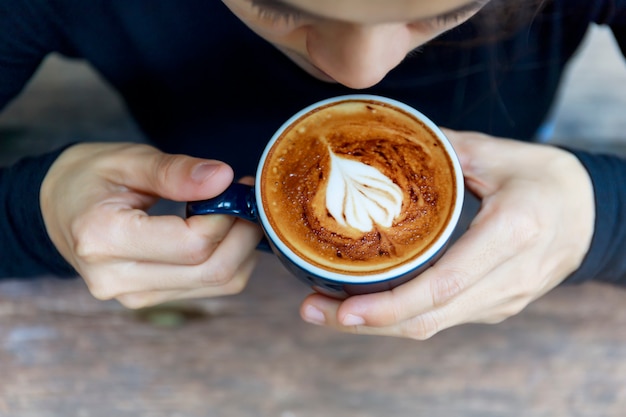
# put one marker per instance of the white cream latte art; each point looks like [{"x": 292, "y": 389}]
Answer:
[{"x": 359, "y": 195}]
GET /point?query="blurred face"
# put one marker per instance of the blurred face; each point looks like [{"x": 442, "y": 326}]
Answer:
[{"x": 352, "y": 42}]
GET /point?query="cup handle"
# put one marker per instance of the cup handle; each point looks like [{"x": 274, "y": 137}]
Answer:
[{"x": 237, "y": 200}]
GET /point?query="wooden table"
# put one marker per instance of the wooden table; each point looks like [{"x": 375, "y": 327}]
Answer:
[{"x": 63, "y": 353}]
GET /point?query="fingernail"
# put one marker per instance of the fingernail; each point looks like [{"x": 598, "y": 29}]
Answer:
[
  {"x": 352, "y": 320},
  {"x": 204, "y": 170},
  {"x": 314, "y": 315}
]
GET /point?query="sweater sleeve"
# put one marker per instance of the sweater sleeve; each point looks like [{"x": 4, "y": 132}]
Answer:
[
  {"x": 27, "y": 250},
  {"x": 606, "y": 259},
  {"x": 30, "y": 31}
]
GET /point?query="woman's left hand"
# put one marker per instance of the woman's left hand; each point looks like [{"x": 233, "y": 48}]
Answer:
[{"x": 533, "y": 229}]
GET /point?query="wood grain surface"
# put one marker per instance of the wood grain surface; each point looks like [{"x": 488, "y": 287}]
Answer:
[{"x": 63, "y": 353}]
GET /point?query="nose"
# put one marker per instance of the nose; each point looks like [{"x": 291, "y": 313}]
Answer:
[{"x": 358, "y": 56}]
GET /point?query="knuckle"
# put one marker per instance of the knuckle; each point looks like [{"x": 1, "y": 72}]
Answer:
[
  {"x": 526, "y": 290},
  {"x": 99, "y": 293},
  {"x": 393, "y": 311},
  {"x": 165, "y": 166},
  {"x": 230, "y": 280},
  {"x": 91, "y": 239},
  {"x": 514, "y": 308},
  {"x": 217, "y": 274},
  {"x": 446, "y": 285},
  {"x": 135, "y": 301},
  {"x": 100, "y": 290},
  {"x": 103, "y": 283},
  {"x": 87, "y": 247},
  {"x": 198, "y": 250},
  {"x": 239, "y": 282},
  {"x": 89, "y": 251},
  {"x": 235, "y": 286},
  {"x": 526, "y": 230},
  {"x": 422, "y": 327}
]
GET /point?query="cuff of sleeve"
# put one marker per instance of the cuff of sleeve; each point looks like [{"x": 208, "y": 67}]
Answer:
[
  {"x": 32, "y": 253},
  {"x": 605, "y": 261}
]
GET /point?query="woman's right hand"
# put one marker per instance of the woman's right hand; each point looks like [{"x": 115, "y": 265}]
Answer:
[
  {"x": 533, "y": 229},
  {"x": 94, "y": 201}
]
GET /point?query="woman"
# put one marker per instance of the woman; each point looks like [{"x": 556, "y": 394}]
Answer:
[{"x": 213, "y": 80}]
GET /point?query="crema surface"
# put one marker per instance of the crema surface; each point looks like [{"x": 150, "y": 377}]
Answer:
[{"x": 358, "y": 187}]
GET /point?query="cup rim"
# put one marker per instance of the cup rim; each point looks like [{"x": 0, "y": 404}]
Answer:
[{"x": 394, "y": 272}]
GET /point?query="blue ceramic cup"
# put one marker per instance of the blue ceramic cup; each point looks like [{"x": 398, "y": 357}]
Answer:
[{"x": 381, "y": 190}]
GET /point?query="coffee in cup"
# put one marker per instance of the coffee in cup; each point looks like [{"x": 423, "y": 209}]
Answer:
[
  {"x": 355, "y": 194},
  {"x": 358, "y": 187}
]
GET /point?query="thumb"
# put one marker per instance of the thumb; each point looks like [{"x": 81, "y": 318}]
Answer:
[{"x": 180, "y": 177}]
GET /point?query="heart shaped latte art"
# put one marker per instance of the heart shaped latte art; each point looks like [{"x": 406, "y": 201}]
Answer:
[{"x": 359, "y": 195}]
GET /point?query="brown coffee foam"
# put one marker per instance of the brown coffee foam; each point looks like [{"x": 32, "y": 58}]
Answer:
[{"x": 394, "y": 142}]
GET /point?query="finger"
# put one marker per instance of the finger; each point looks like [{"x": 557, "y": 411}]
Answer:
[
  {"x": 175, "y": 177},
  {"x": 476, "y": 160},
  {"x": 491, "y": 300},
  {"x": 491, "y": 241},
  {"x": 322, "y": 311},
  {"x": 123, "y": 233},
  {"x": 476, "y": 306},
  {"x": 475, "y": 150},
  {"x": 240, "y": 242},
  {"x": 218, "y": 270},
  {"x": 486, "y": 174},
  {"x": 234, "y": 286},
  {"x": 478, "y": 252}
]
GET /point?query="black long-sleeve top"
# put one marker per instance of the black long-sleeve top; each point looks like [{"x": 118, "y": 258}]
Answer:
[{"x": 197, "y": 81}]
